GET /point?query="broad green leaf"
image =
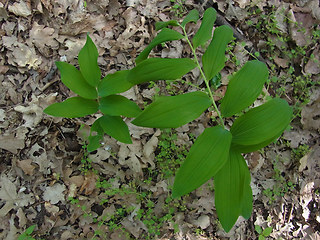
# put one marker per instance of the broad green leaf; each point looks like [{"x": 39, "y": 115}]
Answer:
[
  {"x": 165, "y": 35},
  {"x": 114, "y": 83},
  {"x": 72, "y": 108},
  {"x": 153, "y": 69},
  {"x": 160, "y": 25},
  {"x": 261, "y": 124},
  {"x": 173, "y": 111},
  {"x": 205, "y": 31},
  {"x": 73, "y": 79},
  {"x": 95, "y": 139},
  {"x": 206, "y": 157},
  {"x": 88, "y": 57},
  {"x": 116, "y": 128},
  {"x": 117, "y": 105},
  {"x": 252, "y": 148},
  {"x": 246, "y": 206},
  {"x": 213, "y": 59},
  {"x": 94, "y": 142},
  {"x": 230, "y": 184},
  {"x": 192, "y": 16},
  {"x": 244, "y": 87}
]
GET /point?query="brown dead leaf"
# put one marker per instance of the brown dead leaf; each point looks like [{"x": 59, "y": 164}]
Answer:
[
  {"x": 313, "y": 65},
  {"x": 44, "y": 38},
  {"x": 89, "y": 184},
  {"x": 311, "y": 113},
  {"x": 26, "y": 166},
  {"x": 11, "y": 143},
  {"x": 20, "y": 9},
  {"x": 281, "y": 62},
  {"x": 54, "y": 194},
  {"x": 299, "y": 21},
  {"x": 3, "y": 69},
  {"x": 20, "y": 54}
]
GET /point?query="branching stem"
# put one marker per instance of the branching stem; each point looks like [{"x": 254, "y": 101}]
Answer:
[{"x": 203, "y": 76}]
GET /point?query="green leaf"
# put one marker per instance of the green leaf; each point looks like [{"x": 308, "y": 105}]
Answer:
[
  {"x": 117, "y": 105},
  {"x": 229, "y": 184},
  {"x": 30, "y": 229},
  {"x": 262, "y": 124},
  {"x": 258, "y": 229},
  {"x": 255, "y": 147},
  {"x": 267, "y": 231},
  {"x": 88, "y": 61},
  {"x": 165, "y": 35},
  {"x": 192, "y": 16},
  {"x": 94, "y": 140},
  {"x": 244, "y": 87},
  {"x": 116, "y": 128},
  {"x": 153, "y": 69},
  {"x": 72, "y": 108},
  {"x": 73, "y": 79},
  {"x": 206, "y": 157},
  {"x": 213, "y": 59},
  {"x": 246, "y": 206},
  {"x": 114, "y": 83},
  {"x": 160, "y": 25},
  {"x": 205, "y": 31},
  {"x": 261, "y": 237},
  {"x": 173, "y": 111}
]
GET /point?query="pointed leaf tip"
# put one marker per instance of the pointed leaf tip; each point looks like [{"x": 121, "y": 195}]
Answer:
[
  {"x": 72, "y": 108},
  {"x": 213, "y": 60},
  {"x": 206, "y": 157},
  {"x": 74, "y": 80},
  {"x": 205, "y": 31},
  {"x": 88, "y": 61},
  {"x": 244, "y": 87},
  {"x": 232, "y": 197},
  {"x": 173, "y": 111}
]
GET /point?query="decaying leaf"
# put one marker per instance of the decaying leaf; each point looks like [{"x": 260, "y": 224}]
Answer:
[
  {"x": 311, "y": 112},
  {"x": 26, "y": 166},
  {"x": 11, "y": 143},
  {"x": 20, "y": 9},
  {"x": 89, "y": 184},
  {"x": 44, "y": 38},
  {"x": 12, "y": 198},
  {"x": 54, "y": 194}
]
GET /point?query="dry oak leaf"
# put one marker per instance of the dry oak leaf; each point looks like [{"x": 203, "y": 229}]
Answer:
[
  {"x": 44, "y": 38},
  {"x": 26, "y": 166},
  {"x": 89, "y": 184},
  {"x": 54, "y": 194},
  {"x": 12, "y": 198},
  {"x": 313, "y": 65},
  {"x": 20, "y": 9}
]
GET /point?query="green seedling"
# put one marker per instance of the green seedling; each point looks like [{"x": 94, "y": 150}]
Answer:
[
  {"x": 26, "y": 235},
  {"x": 217, "y": 152},
  {"x": 263, "y": 233}
]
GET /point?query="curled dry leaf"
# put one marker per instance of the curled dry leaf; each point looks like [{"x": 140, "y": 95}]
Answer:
[
  {"x": 26, "y": 166},
  {"x": 44, "y": 38},
  {"x": 54, "y": 194},
  {"x": 20, "y": 9},
  {"x": 89, "y": 184}
]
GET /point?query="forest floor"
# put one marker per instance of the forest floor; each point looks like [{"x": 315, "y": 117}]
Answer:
[{"x": 51, "y": 188}]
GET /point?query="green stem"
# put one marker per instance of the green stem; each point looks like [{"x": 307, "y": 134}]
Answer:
[{"x": 203, "y": 76}]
